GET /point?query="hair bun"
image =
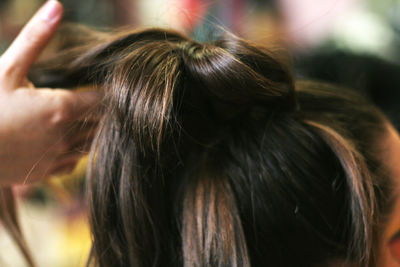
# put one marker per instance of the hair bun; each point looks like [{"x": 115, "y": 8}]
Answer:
[
  {"x": 236, "y": 76},
  {"x": 159, "y": 77}
]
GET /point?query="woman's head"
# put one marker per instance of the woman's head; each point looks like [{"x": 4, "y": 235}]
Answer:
[{"x": 211, "y": 155}]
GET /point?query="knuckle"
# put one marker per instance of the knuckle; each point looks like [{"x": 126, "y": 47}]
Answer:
[{"x": 62, "y": 113}]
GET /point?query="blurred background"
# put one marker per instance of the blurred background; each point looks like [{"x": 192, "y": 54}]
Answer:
[{"x": 354, "y": 43}]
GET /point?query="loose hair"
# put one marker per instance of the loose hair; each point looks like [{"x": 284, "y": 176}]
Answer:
[
  {"x": 210, "y": 154},
  {"x": 9, "y": 219}
]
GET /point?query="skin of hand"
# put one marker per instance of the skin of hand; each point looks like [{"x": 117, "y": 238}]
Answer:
[{"x": 42, "y": 131}]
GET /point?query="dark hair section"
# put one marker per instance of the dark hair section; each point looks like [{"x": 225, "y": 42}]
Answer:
[{"x": 209, "y": 154}]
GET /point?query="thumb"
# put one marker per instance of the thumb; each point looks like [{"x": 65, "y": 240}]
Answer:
[{"x": 15, "y": 62}]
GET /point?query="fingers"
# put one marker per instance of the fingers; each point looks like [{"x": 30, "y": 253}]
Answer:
[
  {"x": 65, "y": 165},
  {"x": 71, "y": 133},
  {"x": 76, "y": 138},
  {"x": 15, "y": 62},
  {"x": 58, "y": 165},
  {"x": 85, "y": 105},
  {"x": 82, "y": 140},
  {"x": 69, "y": 107}
]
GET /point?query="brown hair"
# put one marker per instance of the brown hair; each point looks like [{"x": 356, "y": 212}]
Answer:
[
  {"x": 209, "y": 154},
  {"x": 9, "y": 219}
]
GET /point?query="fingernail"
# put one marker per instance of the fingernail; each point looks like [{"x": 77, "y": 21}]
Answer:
[{"x": 51, "y": 10}]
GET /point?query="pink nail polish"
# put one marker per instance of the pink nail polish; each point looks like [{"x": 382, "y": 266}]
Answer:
[{"x": 51, "y": 10}]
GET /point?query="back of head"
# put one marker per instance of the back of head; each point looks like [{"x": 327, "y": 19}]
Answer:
[{"x": 210, "y": 155}]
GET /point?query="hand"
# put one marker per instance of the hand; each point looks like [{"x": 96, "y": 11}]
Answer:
[{"x": 42, "y": 131}]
